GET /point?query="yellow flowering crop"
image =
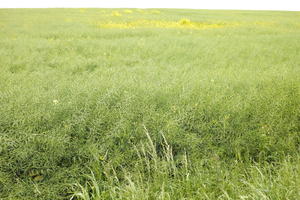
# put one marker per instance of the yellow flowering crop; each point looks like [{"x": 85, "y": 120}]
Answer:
[
  {"x": 116, "y": 14},
  {"x": 143, "y": 23},
  {"x": 128, "y": 11}
]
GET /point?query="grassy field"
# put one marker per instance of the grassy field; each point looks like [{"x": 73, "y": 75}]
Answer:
[{"x": 149, "y": 104}]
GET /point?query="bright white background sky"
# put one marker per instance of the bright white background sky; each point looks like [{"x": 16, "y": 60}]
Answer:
[{"x": 199, "y": 4}]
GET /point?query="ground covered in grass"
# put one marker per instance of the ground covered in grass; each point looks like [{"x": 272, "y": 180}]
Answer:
[{"x": 149, "y": 104}]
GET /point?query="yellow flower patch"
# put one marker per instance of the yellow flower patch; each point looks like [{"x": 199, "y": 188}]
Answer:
[
  {"x": 128, "y": 11},
  {"x": 183, "y": 23},
  {"x": 116, "y": 14},
  {"x": 155, "y": 12}
]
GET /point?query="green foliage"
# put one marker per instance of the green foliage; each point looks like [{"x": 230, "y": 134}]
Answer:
[{"x": 149, "y": 113}]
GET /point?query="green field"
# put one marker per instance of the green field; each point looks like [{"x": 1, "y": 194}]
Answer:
[{"x": 149, "y": 104}]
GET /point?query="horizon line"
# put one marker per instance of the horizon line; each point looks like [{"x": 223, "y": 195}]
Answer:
[{"x": 225, "y": 9}]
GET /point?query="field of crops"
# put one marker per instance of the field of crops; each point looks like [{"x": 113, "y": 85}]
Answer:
[{"x": 149, "y": 104}]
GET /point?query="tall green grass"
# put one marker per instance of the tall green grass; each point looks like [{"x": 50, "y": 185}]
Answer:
[{"x": 149, "y": 113}]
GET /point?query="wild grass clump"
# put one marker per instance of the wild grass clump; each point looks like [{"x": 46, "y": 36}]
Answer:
[{"x": 157, "y": 174}]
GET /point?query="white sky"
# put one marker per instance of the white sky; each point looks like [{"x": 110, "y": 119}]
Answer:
[{"x": 293, "y": 5}]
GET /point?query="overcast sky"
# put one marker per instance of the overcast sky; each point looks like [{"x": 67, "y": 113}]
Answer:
[{"x": 199, "y": 4}]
